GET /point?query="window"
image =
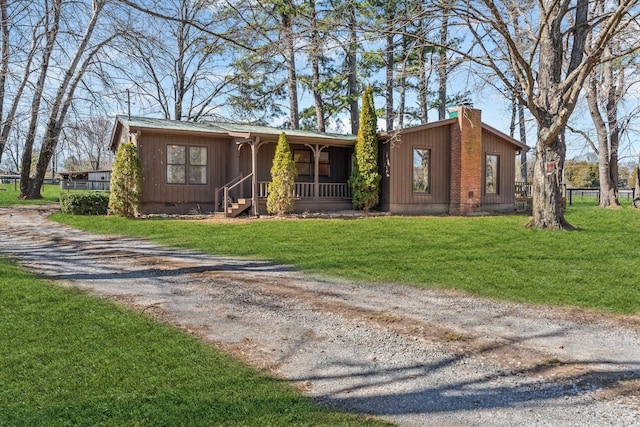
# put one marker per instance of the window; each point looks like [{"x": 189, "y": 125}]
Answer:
[
  {"x": 186, "y": 163},
  {"x": 492, "y": 174},
  {"x": 197, "y": 165},
  {"x": 302, "y": 159},
  {"x": 176, "y": 164},
  {"x": 324, "y": 166},
  {"x": 305, "y": 166},
  {"x": 421, "y": 170}
]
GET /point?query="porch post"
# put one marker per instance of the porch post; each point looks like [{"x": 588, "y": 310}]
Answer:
[
  {"x": 316, "y": 172},
  {"x": 316, "y": 149},
  {"x": 254, "y": 177}
]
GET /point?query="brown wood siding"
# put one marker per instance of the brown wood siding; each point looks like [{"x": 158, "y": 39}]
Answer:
[
  {"x": 384, "y": 162},
  {"x": 401, "y": 167},
  {"x": 245, "y": 159},
  {"x": 152, "y": 148},
  {"x": 491, "y": 144},
  {"x": 266, "y": 151}
]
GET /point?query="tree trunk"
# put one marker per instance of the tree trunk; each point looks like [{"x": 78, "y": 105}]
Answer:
[
  {"x": 442, "y": 67},
  {"x": 402, "y": 89},
  {"x": 548, "y": 203},
  {"x": 636, "y": 196},
  {"x": 390, "y": 51},
  {"x": 352, "y": 79},
  {"x": 608, "y": 129},
  {"x": 551, "y": 112},
  {"x": 402, "y": 99},
  {"x": 52, "y": 21},
  {"x": 315, "y": 68},
  {"x": 179, "y": 88},
  {"x": 423, "y": 88},
  {"x": 292, "y": 80},
  {"x": 524, "y": 175},
  {"x": 4, "y": 64}
]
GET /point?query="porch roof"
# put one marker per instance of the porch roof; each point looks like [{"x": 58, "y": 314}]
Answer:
[
  {"x": 233, "y": 130},
  {"x": 293, "y": 135}
]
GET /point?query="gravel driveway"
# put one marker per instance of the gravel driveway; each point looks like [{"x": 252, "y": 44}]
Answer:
[{"x": 414, "y": 357}]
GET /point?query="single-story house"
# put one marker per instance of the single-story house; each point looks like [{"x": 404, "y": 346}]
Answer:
[{"x": 452, "y": 166}]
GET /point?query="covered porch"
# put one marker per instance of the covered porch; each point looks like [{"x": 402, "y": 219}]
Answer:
[{"x": 323, "y": 163}]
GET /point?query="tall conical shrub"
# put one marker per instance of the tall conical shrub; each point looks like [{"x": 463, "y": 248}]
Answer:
[
  {"x": 126, "y": 182},
  {"x": 280, "y": 198},
  {"x": 365, "y": 178}
]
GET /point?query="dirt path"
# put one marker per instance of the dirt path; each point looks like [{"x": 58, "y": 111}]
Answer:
[{"x": 415, "y": 357}]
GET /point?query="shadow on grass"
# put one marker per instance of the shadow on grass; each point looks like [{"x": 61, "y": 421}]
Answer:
[{"x": 415, "y": 388}]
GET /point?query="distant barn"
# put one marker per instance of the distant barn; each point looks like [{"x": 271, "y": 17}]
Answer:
[
  {"x": 85, "y": 180},
  {"x": 7, "y": 177}
]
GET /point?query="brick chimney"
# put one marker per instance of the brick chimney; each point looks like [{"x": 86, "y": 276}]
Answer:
[{"x": 466, "y": 162}]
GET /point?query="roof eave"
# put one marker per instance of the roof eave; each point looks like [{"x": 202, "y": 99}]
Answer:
[{"x": 519, "y": 145}]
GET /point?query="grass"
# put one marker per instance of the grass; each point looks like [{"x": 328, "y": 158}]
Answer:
[
  {"x": 70, "y": 359},
  {"x": 9, "y": 195},
  {"x": 493, "y": 256}
]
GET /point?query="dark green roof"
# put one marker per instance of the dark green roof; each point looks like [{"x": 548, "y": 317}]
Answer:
[
  {"x": 267, "y": 130},
  {"x": 163, "y": 124},
  {"x": 224, "y": 128}
]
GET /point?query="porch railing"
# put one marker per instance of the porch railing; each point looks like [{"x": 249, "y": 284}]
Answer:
[
  {"x": 305, "y": 190},
  {"x": 523, "y": 189}
]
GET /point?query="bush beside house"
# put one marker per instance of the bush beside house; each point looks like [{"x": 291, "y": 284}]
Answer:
[
  {"x": 86, "y": 203},
  {"x": 126, "y": 182},
  {"x": 365, "y": 178},
  {"x": 281, "y": 198}
]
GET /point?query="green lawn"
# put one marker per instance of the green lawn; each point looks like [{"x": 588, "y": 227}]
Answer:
[
  {"x": 493, "y": 256},
  {"x": 9, "y": 195},
  {"x": 68, "y": 359}
]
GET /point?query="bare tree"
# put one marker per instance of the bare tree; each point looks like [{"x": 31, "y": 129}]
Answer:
[
  {"x": 15, "y": 56},
  {"x": 4, "y": 62},
  {"x": 606, "y": 87},
  {"x": 550, "y": 73},
  {"x": 607, "y": 128},
  {"x": 89, "y": 140},
  {"x": 61, "y": 37},
  {"x": 178, "y": 66},
  {"x": 51, "y": 26}
]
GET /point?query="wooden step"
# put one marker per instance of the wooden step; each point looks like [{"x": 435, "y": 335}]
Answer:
[{"x": 238, "y": 207}]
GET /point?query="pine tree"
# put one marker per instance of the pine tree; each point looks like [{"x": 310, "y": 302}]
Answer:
[
  {"x": 280, "y": 199},
  {"x": 365, "y": 178},
  {"x": 126, "y": 182}
]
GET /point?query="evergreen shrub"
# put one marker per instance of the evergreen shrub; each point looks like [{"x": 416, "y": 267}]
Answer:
[
  {"x": 365, "y": 178},
  {"x": 280, "y": 198},
  {"x": 87, "y": 203},
  {"x": 126, "y": 182}
]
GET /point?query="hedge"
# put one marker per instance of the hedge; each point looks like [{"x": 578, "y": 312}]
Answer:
[{"x": 86, "y": 203}]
